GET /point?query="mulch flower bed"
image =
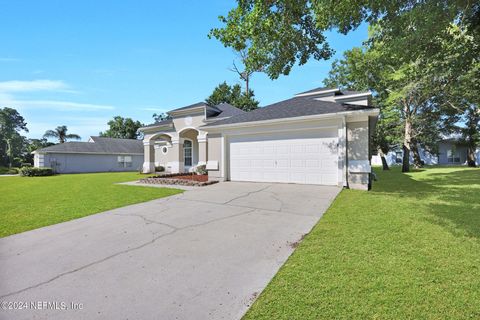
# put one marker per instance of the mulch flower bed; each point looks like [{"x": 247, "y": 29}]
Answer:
[{"x": 183, "y": 179}]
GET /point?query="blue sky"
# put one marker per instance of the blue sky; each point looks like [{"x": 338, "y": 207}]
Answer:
[{"x": 79, "y": 63}]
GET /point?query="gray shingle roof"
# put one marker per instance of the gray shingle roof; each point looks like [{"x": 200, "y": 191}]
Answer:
[
  {"x": 294, "y": 107},
  {"x": 99, "y": 145},
  {"x": 159, "y": 123},
  {"x": 226, "y": 110}
]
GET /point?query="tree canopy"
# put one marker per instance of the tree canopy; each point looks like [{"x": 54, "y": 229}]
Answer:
[
  {"x": 278, "y": 34},
  {"x": 224, "y": 93},
  {"x": 123, "y": 128},
  {"x": 11, "y": 142}
]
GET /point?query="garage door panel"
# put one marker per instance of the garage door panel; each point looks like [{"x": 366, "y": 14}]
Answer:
[
  {"x": 297, "y": 163},
  {"x": 299, "y": 157},
  {"x": 313, "y": 178},
  {"x": 283, "y": 163}
]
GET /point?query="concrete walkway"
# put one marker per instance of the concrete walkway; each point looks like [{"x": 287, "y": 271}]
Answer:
[{"x": 204, "y": 254}]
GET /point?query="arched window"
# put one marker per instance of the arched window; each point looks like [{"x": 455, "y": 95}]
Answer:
[{"x": 187, "y": 153}]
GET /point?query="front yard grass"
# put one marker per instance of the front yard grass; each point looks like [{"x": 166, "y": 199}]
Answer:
[
  {"x": 30, "y": 203},
  {"x": 408, "y": 249}
]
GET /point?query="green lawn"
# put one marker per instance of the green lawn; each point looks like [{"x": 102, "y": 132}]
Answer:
[
  {"x": 30, "y": 203},
  {"x": 408, "y": 249}
]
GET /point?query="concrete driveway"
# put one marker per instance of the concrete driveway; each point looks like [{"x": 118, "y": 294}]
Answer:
[{"x": 204, "y": 254}]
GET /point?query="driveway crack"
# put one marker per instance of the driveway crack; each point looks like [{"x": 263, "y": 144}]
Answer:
[
  {"x": 247, "y": 194},
  {"x": 123, "y": 251},
  {"x": 146, "y": 220}
]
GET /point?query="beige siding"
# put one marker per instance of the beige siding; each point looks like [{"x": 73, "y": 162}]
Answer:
[
  {"x": 188, "y": 121},
  {"x": 357, "y": 137},
  {"x": 215, "y": 153},
  {"x": 358, "y": 140}
]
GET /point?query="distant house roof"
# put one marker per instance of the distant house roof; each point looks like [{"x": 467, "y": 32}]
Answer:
[
  {"x": 294, "y": 107},
  {"x": 100, "y": 145}
]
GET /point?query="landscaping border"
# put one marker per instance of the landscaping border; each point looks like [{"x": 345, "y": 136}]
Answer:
[{"x": 169, "y": 178}]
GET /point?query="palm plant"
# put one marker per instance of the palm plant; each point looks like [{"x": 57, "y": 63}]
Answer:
[{"x": 60, "y": 133}]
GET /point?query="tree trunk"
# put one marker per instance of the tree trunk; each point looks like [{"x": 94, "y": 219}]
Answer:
[
  {"x": 417, "y": 161},
  {"x": 384, "y": 161},
  {"x": 407, "y": 144},
  {"x": 9, "y": 152},
  {"x": 471, "y": 157}
]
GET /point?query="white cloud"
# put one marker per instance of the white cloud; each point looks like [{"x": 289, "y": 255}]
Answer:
[
  {"x": 53, "y": 104},
  {"x": 154, "y": 109},
  {"x": 8, "y": 88},
  {"x": 5, "y": 59},
  {"x": 7, "y": 100},
  {"x": 33, "y": 85},
  {"x": 83, "y": 126}
]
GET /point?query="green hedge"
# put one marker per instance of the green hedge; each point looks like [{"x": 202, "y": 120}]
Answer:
[
  {"x": 12, "y": 170},
  {"x": 36, "y": 172}
]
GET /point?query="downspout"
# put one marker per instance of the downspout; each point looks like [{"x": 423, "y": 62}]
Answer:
[{"x": 345, "y": 184}]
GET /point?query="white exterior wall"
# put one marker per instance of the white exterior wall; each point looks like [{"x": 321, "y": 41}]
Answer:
[{"x": 358, "y": 151}]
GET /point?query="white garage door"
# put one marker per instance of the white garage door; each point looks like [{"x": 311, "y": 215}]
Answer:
[{"x": 291, "y": 157}]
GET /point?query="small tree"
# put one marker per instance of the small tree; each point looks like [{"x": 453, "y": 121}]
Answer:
[
  {"x": 161, "y": 117},
  {"x": 122, "y": 128},
  {"x": 223, "y": 93},
  {"x": 11, "y": 123},
  {"x": 60, "y": 133}
]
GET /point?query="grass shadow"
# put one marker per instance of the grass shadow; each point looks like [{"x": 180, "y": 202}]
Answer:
[{"x": 451, "y": 195}]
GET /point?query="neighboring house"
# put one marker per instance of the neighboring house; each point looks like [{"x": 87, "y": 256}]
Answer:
[
  {"x": 450, "y": 152},
  {"x": 99, "y": 154},
  {"x": 317, "y": 137}
]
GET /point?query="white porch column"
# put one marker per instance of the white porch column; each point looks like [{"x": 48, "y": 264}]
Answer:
[
  {"x": 202, "y": 148},
  {"x": 149, "y": 157},
  {"x": 177, "y": 151}
]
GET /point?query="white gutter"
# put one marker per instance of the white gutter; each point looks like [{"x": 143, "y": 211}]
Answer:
[
  {"x": 317, "y": 92},
  {"x": 366, "y": 112},
  {"x": 356, "y": 95}
]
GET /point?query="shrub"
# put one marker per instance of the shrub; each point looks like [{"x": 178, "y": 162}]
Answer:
[
  {"x": 3, "y": 170},
  {"x": 36, "y": 172},
  {"x": 26, "y": 164},
  {"x": 201, "y": 169},
  {"x": 159, "y": 169},
  {"x": 12, "y": 171}
]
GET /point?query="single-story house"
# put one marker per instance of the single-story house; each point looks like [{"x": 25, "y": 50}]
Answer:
[
  {"x": 321, "y": 136},
  {"x": 451, "y": 151},
  {"x": 99, "y": 154}
]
